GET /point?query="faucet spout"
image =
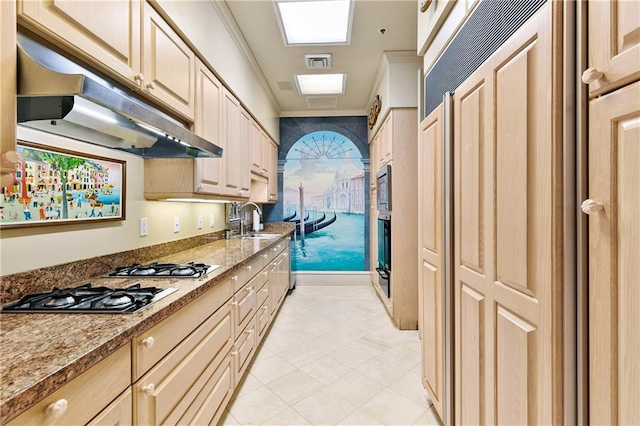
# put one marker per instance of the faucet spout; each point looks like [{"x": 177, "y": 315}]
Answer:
[{"x": 242, "y": 230}]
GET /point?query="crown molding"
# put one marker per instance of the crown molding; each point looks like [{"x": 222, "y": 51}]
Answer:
[{"x": 231, "y": 25}]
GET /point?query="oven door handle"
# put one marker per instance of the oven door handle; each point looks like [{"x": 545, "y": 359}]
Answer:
[{"x": 384, "y": 273}]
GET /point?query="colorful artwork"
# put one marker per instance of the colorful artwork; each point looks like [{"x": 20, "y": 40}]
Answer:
[
  {"x": 52, "y": 186},
  {"x": 324, "y": 188}
]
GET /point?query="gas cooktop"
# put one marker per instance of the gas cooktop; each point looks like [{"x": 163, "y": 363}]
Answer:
[
  {"x": 155, "y": 270},
  {"x": 88, "y": 299}
]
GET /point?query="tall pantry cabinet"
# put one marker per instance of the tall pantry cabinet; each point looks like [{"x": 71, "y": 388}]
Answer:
[
  {"x": 506, "y": 259},
  {"x": 613, "y": 207}
]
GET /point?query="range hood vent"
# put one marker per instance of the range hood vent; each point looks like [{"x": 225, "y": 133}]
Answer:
[{"x": 58, "y": 96}]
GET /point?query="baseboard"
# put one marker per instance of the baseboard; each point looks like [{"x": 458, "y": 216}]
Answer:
[{"x": 337, "y": 278}]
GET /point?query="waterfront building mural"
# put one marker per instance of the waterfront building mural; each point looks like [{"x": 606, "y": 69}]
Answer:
[{"x": 323, "y": 187}]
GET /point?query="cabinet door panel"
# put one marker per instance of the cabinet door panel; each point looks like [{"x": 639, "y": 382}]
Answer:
[
  {"x": 208, "y": 121},
  {"x": 504, "y": 236},
  {"x": 614, "y": 43},
  {"x": 431, "y": 297},
  {"x": 614, "y": 270},
  {"x": 118, "y": 413},
  {"x": 81, "y": 26},
  {"x": 168, "y": 65}
]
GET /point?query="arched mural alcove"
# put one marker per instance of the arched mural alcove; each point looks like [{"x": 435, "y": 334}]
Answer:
[{"x": 348, "y": 132}]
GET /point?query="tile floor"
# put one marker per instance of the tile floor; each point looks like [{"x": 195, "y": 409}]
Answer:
[{"x": 333, "y": 357}]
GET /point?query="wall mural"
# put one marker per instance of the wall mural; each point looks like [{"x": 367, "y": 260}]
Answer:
[{"x": 324, "y": 193}]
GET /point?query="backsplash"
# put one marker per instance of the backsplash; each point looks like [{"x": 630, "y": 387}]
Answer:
[{"x": 16, "y": 286}]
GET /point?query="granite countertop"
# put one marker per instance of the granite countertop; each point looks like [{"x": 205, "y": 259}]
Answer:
[{"x": 41, "y": 352}]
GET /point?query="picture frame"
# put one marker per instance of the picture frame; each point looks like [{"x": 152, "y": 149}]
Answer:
[{"x": 92, "y": 187}]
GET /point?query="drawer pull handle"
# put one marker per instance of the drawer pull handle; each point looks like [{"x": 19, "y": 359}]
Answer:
[
  {"x": 234, "y": 278},
  {"x": 148, "y": 342},
  {"x": 248, "y": 332},
  {"x": 57, "y": 409},
  {"x": 234, "y": 303},
  {"x": 590, "y": 206},
  {"x": 151, "y": 86},
  {"x": 139, "y": 77},
  {"x": 264, "y": 256},
  {"x": 148, "y": 389},
  {"x": 234, "y": 353},
  {"x": 591, "y": 74},
  {"x": 249, "y": 268}
]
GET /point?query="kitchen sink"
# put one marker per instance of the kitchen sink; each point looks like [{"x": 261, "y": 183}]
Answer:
[{"x": 257, "y": 236}]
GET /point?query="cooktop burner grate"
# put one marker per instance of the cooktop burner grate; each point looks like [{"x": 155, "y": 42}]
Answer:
[
  {"x": 154, "y": 270},
  {"x": 88, "y": 299}
]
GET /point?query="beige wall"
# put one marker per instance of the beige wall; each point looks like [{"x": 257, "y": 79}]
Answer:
[
  {"x": 396, "y": 83},
  {"x": 25, "y": 249}
]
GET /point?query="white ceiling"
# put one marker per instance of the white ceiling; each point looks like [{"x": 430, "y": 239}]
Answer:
[{"x": 360, "y": 60}]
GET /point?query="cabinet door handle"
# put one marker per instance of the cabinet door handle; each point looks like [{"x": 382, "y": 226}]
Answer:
[
  {"x": 148, "y": 389},
  {"x": 248, "y": 332},
  {"x": 148, "y": 342},
  {"x": 248, "y": 289},
  {"x": 139, "y": 77},
  {"x": 57, "y": 409},
  {"x": 589, "y": 206},
  {"x": 591, "y": 74},
  {"x": 151, "y": 86},
  {"x": 249, "y": 267},
  {"x": 234, "y": 278},
  {"x": 234, "y": 303},
  {"x": 264, "y": 256}
]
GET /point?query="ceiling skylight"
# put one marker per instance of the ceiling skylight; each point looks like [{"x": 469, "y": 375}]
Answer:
[
  {"x": 315, "y": 21},
  {"x": 320, "y": 84}
]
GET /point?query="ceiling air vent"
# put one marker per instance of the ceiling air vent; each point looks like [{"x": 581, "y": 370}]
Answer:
[
  {"x": 322, "y": 101},
  {"x": 318, "y": 61},
  {"x": 285, "y": 85}
]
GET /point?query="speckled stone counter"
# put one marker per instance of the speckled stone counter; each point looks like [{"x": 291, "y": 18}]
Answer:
[{"x": 41, "y": 352}]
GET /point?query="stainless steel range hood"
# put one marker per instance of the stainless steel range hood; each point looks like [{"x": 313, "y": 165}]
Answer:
[{"x": 58, "y": 96}]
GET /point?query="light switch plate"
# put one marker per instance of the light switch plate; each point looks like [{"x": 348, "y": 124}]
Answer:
[
  {"x": 144, "y": 229},
  {"x": 176, "y": 224},
  {"x": 211, "y": 221},
  {"x": 199, "y": 221}
]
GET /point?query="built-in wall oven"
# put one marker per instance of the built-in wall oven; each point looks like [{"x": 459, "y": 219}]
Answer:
[
  {"x": 383, "y": 184},
  {"x": 384, "y": 252}
]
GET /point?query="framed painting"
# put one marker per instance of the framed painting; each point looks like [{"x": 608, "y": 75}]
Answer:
[{"x": 53, "y": 186}]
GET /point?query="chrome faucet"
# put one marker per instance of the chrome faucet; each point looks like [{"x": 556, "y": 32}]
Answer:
[{"x": 241, "y": 211}]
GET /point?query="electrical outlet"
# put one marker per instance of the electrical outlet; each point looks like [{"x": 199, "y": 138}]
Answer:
[
  {"x": 144, "y": 229},
  {"x": 199, "y": 221},
  {"x": 211, "y": 221},
  {"x": 176, "y": 224}
]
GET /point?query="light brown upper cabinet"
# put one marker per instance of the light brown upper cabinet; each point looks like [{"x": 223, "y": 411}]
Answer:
[
  {"x": 126, "y": 39},
  {"x": 273, "y": 171},
  {"x": 168, "y": 65},
  {"x": 614, "y": 247},
  {"x": 237, "y": 166},
  {"x": 208, "y": 102},
  {"x": 614, "y": 45},
  {"x": 430, "y": 275},
  {"x": 508, "y": 279},
  {"x": 106, "y": 34}
]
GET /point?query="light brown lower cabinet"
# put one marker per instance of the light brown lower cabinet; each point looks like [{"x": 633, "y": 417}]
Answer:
[
  {"x": 614, "y": 247},
  {"x": 185, "y": 368},
  {"x": 84, "y": 397}
]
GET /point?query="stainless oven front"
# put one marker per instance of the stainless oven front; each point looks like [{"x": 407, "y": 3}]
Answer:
[{"x": 384, "y": 252}]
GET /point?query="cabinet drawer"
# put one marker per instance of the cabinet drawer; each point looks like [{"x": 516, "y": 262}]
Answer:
[
  {"x": 263, "y": 292},
  {"x": 243, "y": 351},
  {"x": 263, "y": 318},
  {"x": 119, "y": 412},
  {"x": 167, "y": 392},
  {"x": 244, "y": 306},
  {"x": 213, "y": 398},
  {"x": 151, "y": 346},
  {"x": 85, "y": 396}
]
